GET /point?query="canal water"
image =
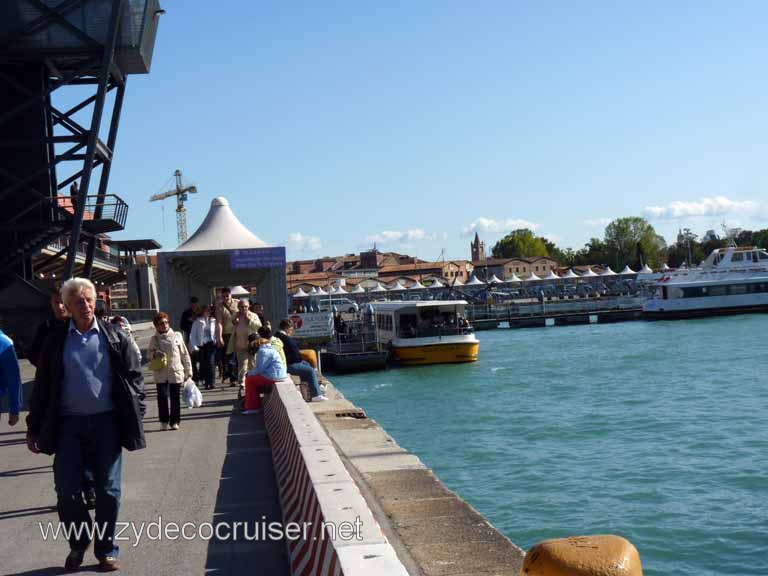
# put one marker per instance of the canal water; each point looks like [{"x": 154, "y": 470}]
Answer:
[{"x": 656, "y": 431}]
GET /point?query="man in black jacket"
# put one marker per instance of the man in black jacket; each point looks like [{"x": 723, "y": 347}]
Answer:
[{"x": 86, "y": 406}]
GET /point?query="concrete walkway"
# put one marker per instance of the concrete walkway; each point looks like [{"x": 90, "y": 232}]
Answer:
[{"x": 216, "y": 468}]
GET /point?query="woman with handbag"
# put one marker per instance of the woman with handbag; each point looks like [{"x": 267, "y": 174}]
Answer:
[{"x": 169, "y": 361}]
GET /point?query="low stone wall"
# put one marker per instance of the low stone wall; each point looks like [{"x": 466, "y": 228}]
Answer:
[{"x": 315, "y": 488}]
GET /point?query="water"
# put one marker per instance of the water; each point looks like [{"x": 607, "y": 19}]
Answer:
[{"x": 656, "y": 431}]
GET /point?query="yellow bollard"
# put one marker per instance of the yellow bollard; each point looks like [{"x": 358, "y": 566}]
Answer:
[{"x": 601, "y": 555}]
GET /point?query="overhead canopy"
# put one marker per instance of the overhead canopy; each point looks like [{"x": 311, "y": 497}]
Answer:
[
  {"x": 513, "y": 278},
  {"x": 608, "y": 272},
  {"x": 570, "y": 274},
  {"x": 533, "y": 277},
  {"x": 437, "y": 283},
  {"x": 321, "y": 292},
  {"x": 475, "y": 281},
  {"x": 664, "y": 266},
  {"x": 627, "y": 270},
  {"x": 589, "y": 273},
  {"x": 646, "y": 269},
  {"x": 358, "y": 290},
  {"x": 417, "y": 286},
  {"x": 238, "y": 291},
  {"x": 458, "y": 282},
  {"x": 221, "y": 230},
  {"x": 222, "y": 252},
  {"x": 379, "y": 288},
  {"x": 551, "y": 276},
  {"x": 134, "y": 245},
  {"x": 299, "y": 293},
  {"x": 494, "y": 280}
]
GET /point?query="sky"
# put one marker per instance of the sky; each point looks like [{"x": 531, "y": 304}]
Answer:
[{"x": 414, "y": 124}]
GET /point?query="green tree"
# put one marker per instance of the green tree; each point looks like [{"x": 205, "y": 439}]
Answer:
[
  {"x": 594, "y": 252},
  {"x": 760, "y": 238},
  {"x": 520, "y": 244},
  {"x": 624, "y": 236}
]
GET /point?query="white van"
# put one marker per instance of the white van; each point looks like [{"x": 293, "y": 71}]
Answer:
[{"x": 326, "y": 304}]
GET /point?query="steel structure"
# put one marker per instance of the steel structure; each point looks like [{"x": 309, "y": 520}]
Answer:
[
  {"x": 81, "y": 51},
  {"x": 180, "y": 192}
]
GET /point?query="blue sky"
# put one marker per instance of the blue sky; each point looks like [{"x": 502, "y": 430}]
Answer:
[{"x": 329, "y": 125}]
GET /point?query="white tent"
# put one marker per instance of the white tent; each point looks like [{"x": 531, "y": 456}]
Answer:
[
  {"x": 608, "y": 272},
  {"x": 313, "y": 291},
  {"x": 571, "y": 274},
  {"x": 646, "y": 269},
  {"x": 589, "y": 273},
  {"x": 299, "y": 293},
  {"x": 533, "y": 277},
  {"x": 627, "y": 270},
  {"x": 358, "y": 290},
  {"x": 551, "y": 276},
  {"x": 417, "y": 286},
  {"x": 379, "y": 288},
  {"x": 437, "y": 283},
  {"x": 221, "y": 230},
  {"x": 321, "y": 292},
  {"x": 238, "y": 291},
  {"x": 664, "y": 266},
  {"x": 458, "y": 282},
  {"x": 494, "y": 280},
  {"x": 398, "y": 285},
  {"x": 475, "y": 281},
  {"x": 513, "y": 278}
]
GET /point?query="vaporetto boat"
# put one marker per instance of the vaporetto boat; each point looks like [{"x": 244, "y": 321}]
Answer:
[
  {"x": 731, "y": 280},
  {"x": 426, "y": 332}
]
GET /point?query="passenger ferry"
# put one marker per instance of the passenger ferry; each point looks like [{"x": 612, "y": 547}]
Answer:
[
  {"x": 426, "y": 332},
  {"x": 731, "y": 280}
]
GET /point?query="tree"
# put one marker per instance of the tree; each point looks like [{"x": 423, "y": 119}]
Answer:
[
  {"x": 520, "y": 244},
  {"x": 624, "y": 236},
  {"x": 594, "y": 251},
  {"x": 760, "y": 238}
]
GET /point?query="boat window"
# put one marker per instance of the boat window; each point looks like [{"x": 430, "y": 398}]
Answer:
[
  {"x": 739, "y": 289},
  {"x": 738, "y": 257},
  {"x": 718, "y": 290}
]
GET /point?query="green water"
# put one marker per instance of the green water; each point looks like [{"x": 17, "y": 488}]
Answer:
[{"x": 657, "y": 431}]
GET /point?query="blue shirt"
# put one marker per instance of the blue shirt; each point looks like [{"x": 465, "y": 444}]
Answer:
[
  {"x": 269, "y": 364},
  {"x": 87, "y": 385},
  {"x": 10, "y": 376}
]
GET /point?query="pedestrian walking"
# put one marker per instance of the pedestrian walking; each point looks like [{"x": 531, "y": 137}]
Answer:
[
  {"x": 10, "y": 378},
  {"x": 86, "y": 406},
  {"x": 226, "y": 310},
  {"x": 203, "y": 341},
  {"x": 171, "y": 366}
]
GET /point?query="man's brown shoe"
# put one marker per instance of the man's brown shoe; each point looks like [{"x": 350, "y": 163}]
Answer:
[
  {"x": 74, "y": 560},
  {"x": 109, "y": 564}
]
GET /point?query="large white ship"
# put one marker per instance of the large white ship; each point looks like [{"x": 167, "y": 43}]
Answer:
[{"x": 731, "y": 280}]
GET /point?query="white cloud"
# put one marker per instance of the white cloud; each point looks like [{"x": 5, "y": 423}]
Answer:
[
  {"x": 715, "y": 206},
  {"x": 400, "y": 236},
  {"x": 298, "y": 241},
  {"x": 598, "y": 222},
  {"x": 554, "y": 238},
  {"x": 490, "y": 226}
]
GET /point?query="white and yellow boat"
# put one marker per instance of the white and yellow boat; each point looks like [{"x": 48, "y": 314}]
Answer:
[{"x": 426, "y": 332}]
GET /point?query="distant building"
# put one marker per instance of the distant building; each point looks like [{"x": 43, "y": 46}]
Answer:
[
  {"x": 504, "y": 268},
  {"x": 477, "y": 249},
  {"x": 709, "y": 237}
]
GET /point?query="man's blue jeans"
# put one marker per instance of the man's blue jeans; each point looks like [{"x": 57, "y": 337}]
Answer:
[
  {"x": 307, "y": 374},
  {"x": 92, "y": 442}
]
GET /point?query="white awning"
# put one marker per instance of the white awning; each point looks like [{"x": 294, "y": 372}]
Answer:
[
  {"x": 608, "y": 272},
  {"x": 358, "y": 290},
  {"x": 533, "y": 277},
  {"x": 398, "y": 285},
  {"x": 589, "y": 273},
  {"x": 627, "y": 270},
  {"x": 437, "y": 283},
  {"x": 664, "y": 266},
  {"x": 313, "y": 291},
  {"x": 475, "y": 281},
  {"x": 458, "y": 282},
  {"x": 221, "y": 230},
  {"x": 299, "y": 293},
  {"x": 238, "y": 291},
  {"x": 513, "y": 278},
  {"x": 551, "y": 276},
  {"x": 494, "y": 280},
  {"x": 379, "y": 288},
  {"x": 321, "y": 292},
  {"x": 417, "y": 286},
  {"x": 646, "y": 269},
  {"x": 570, "y": 274}
]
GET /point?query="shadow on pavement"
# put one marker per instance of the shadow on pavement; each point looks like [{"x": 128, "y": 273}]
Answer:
[
  {"x": 248, "y": 495},
  {"x": 6, "y": 514}
]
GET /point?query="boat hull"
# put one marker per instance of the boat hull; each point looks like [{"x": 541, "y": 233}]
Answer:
[
  {"x": 682, "y": 314},
  {"x": 438, "y": 353}
]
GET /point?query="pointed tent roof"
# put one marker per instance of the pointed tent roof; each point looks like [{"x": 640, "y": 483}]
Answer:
[
  {"x": 238, "y": 291},
  {"x": 358, "y": 290},
  {"x": 551, "y": 276},
  {"x": 417, "y": 286},
  {"x": 436, "y": 283},
  {"x": 398, "y": 285},
  {"x": 313, "y": 291},
  {"x": 589, "y": 273},
  {"x": 333, "y": 290},
  {"x": 570, "y": 274},
  {"x": 608, "y": 272},
  {"x": 627, "y": 270},
  {"x": 458, "y": 282},
  {"x": 321, "y": 292},
  {"x": 646, "y": 269},
  {"x": 475, "y": 281},
  {"x": 299, "y": 293},
  {"x": 664, "y": 266},
  {"x": 513, "y": 278},
  {"x": 533, "y": 277},
  {"x": 494, "y": 279},
  {"x": 379, "y": 288},
  {"x": 221, "y": 230}
]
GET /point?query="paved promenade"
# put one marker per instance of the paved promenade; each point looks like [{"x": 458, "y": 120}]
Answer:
[{"x": 216, "y": 468}]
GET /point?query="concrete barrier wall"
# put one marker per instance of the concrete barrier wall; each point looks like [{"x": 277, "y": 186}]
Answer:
[{"x": 315, "y": 488}]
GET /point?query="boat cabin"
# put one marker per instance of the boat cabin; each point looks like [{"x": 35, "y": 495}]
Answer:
[{"x": 421, "y": 319}]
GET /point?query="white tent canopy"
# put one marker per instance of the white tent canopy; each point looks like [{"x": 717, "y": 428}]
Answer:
[
  {"x": 458, "y": 282},
  {"x": 551, "y": 276},
  {"x": 475, "y": 281},
  {"x": 570, "y": 274},
  {"x": 589, "y": 273},
  {"x": 398, "y": 285},
  {"x": 664, "y": 266},
  {"x": 321, "y": 292},
  {"x": 608, "y": 272},
  {"x": 379, "y": 288},
  {"x": 494, "y": 280},
  {"x": 313, "y": 291},
  {"x": 646, "y": 269},
  {"x": 358, "y": 290},
  {"x": 417, "y": 286},
  {"x": 627, "y": 270},
  {"x": 533, "y": 277},
  {"x": 437, "y": 283},
  {"x": 513, "y": 278},
  {"x": 238, "y": 291},
  {"x": 221, "y": 230},
  {"x": 299, "y": 293}
]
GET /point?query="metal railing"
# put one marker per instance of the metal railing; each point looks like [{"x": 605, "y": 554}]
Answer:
[
  {"x": 82, "y": 248},
  {"x": 111, "y": 207}
]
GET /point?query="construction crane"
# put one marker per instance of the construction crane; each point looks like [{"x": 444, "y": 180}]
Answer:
[{"x": 180, "y": 192}]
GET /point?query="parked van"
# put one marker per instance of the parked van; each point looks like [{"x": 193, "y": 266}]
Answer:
[{"x": 339, "y": 302}]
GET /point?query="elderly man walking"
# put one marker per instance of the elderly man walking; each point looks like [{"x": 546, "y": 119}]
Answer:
[{"x": 86, "y": 406}]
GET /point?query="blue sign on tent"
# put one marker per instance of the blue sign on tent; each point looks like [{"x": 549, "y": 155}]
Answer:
[{"x": 272, "y": 257}]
